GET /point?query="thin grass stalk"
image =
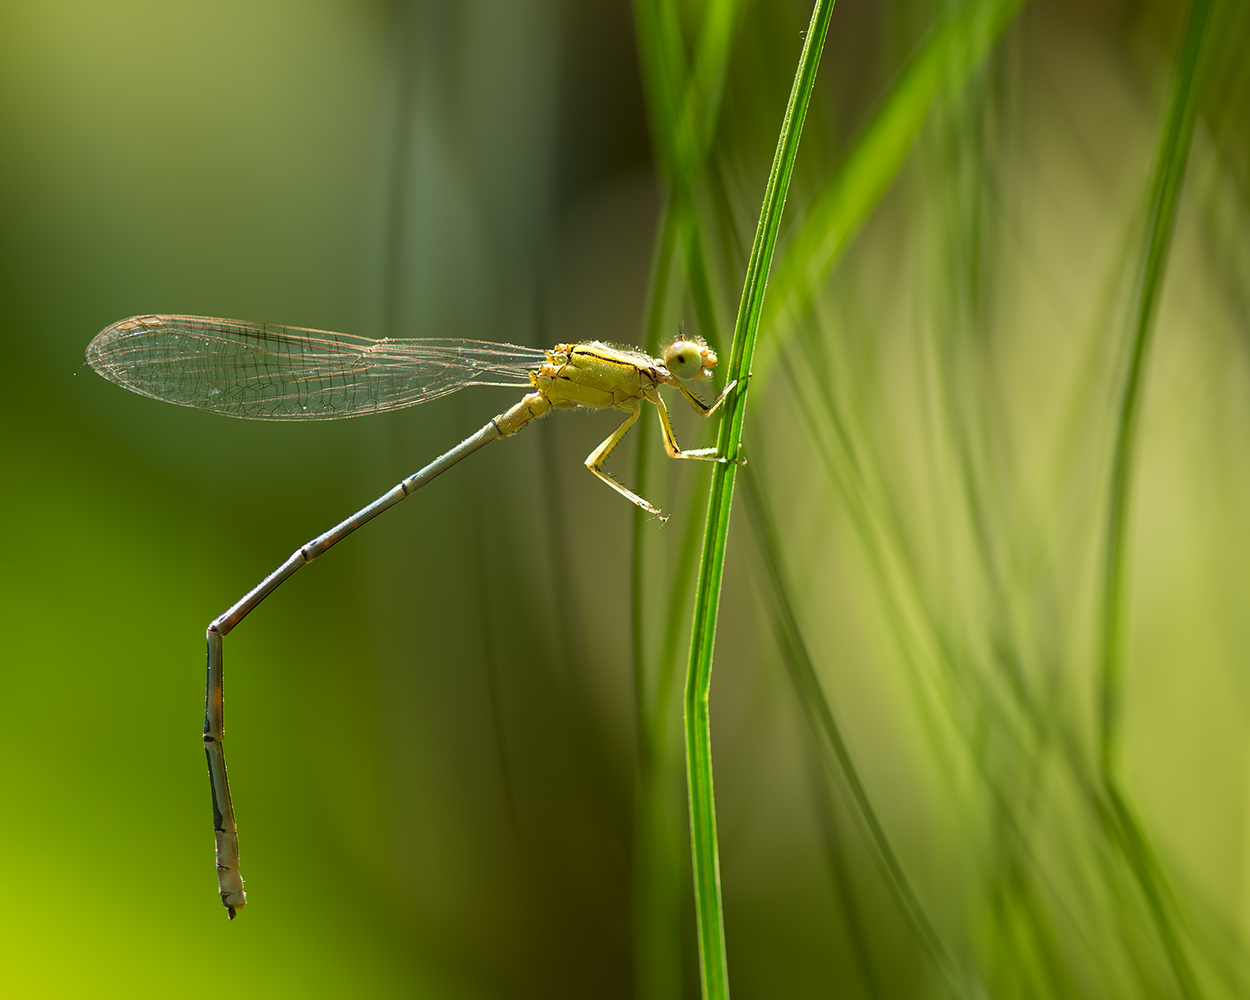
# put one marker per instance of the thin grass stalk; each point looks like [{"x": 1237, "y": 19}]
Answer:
[
  {"x": 954, "y": 51},
  {"x": 853, "y": 911},
  {"x": 683, "y": 103},
  {"x": 1166, "y": 185},
  {"x": 713, "y": 968},
  {"x": 672, "y": 222},
  {"x": 828, "y": 735},
  {"x": 656, "y": 923},
  {"x": 1169, "y": 174}
]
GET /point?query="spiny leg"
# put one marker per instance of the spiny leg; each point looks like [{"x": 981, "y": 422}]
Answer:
[
  {"x": 595, "y": 460},
  {"x": 700, "y": 407},
  {"x": 704, "y": 410},
  {"x": 670, "y": 439}
]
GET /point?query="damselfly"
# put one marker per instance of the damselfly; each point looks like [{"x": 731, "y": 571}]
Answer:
[{"x": 263, "y": 372}]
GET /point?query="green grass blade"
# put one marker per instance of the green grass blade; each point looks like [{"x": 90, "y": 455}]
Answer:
[
  {"x": 657, "y": 952},
  {"x": 953, "y": 52},
  {"x": 1166, "y": 185},
  {"x": 683, "y": 104},
  {"x": 713, "y": 968},
  {"x": 1169, "y": 174},
  {"x": 829, "y": 736}
]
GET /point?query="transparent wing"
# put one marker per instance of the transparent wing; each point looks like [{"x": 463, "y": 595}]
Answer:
[{"x": 265, "y": 372}]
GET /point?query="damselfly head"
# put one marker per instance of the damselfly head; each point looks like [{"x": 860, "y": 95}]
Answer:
[{"x": 690, "y": 359}]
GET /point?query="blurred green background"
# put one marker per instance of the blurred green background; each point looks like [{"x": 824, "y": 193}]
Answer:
[{"x": 444, "y": 781}]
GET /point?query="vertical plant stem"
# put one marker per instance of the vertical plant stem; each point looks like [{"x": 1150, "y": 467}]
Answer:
[
  {"x": 828, "y": 734},
  {"x": 713, "y": 969},
  {"x": 1169, "y": 174},
  {"x": 683, "y": 102},
  {"x": 657, "y": 951}
]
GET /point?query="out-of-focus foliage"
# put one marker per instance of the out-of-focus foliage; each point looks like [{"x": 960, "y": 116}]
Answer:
[{"x": 455, "y": 741}]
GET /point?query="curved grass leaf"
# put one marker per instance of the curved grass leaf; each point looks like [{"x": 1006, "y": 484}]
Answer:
[
  {"x": 1166, "y": 183},
  {"x": 713, "y": 968},
  {"x": 951, "y": 54}
]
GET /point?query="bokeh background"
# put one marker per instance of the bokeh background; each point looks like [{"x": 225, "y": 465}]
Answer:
[{"x": 454, "y": 741}]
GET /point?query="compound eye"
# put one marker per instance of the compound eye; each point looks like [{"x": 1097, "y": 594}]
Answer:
[{"x": 684, "y": 358}]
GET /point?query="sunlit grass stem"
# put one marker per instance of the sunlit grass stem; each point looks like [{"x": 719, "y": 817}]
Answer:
[
  {"x": 683, "y": 102},
  {"x": 1166, "y": 184},
  {"x": 713, "y": 968}
]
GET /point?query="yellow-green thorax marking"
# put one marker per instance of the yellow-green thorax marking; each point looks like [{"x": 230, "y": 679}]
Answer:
[{"x": 600, "y": 377}]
